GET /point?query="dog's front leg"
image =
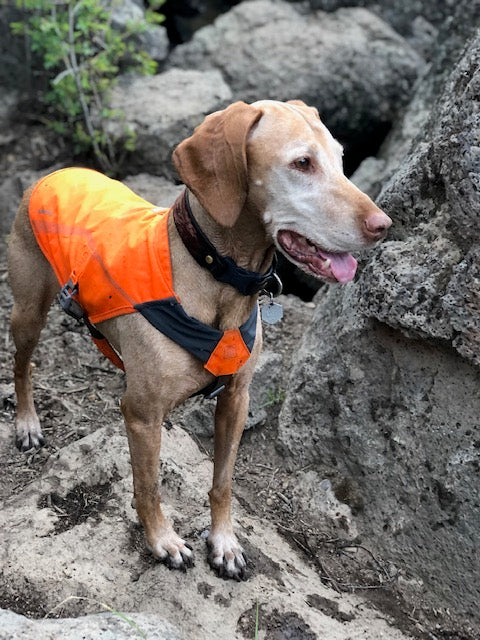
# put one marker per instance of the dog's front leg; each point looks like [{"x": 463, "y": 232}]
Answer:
[
  {"x": 144, "y": 432},
  {"x": 226, "y": 555}
]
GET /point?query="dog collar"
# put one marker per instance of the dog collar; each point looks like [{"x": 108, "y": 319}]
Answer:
[{"x": 222, "y": 268}]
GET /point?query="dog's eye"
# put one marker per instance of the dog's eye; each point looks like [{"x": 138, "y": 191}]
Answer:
[{"x": 303, "y": 164}]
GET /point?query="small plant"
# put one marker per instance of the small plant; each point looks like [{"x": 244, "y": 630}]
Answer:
[
  {"x": 82, "y": 55},
  {"x": 272, "y": 397},
  {"x": 257, "y": 615},
  {"x": 129, "y": 621}
]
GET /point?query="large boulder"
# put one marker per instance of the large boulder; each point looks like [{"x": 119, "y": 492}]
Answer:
[
  {"x": 435, "y": 199},
  {"x": 160, "y": 111},
  {"x": 416, "y": 20},
  {"x": 384, "y": 393},
  {"x": 350, "y": 64},
  {"x": 394, "y": 152},
  {"x": 155, "y": 189}
]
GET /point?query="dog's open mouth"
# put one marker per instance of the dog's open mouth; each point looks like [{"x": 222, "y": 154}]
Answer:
[{"x": 335, "y": 267}]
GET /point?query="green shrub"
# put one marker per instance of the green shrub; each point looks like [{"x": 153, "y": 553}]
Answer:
[{"x": 82, "y": 55}]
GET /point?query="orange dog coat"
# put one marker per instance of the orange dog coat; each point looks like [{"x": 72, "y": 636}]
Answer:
[{"x": 112, "y": 247}]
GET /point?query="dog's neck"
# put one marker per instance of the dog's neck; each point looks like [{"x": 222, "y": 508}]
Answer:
[{"x": 247, "y": 242}]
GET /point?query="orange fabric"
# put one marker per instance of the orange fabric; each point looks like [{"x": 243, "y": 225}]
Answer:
[
  {"x": 229, "y": 355},
  {"x": 98, "y": 233},
  {"x": 109, "y": 352}
]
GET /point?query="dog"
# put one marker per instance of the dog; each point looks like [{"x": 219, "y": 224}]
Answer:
[{"x": 259, "y": 178}]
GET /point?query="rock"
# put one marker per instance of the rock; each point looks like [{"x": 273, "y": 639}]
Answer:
[
  {"x": 152, "y": 39},
  {"x": 11, "y": 191},
  {"x": 317, "y": 504},
  {"x": 95, "y": 460},
  {"x": 155, "y": 189},
  {"x": 197, "y": 416},
  {"x": 415, "y": 20},
  {"x": 383, "y": 396},
  {"x": 391, "y": 422},
  {"x": 266, "y": 395},
  {"x": 161, "y": 111},
  {"x": 423, "y": 36},
  {"x": 434, "y": 199},
  {"x": 354, "y": 67},
  {"x": 411, "y": 125},
  {"x": 370, "y": 175},
  {"x": 103, "y": 626},
  {"x": 266, "y": 390},
  {"x": 403, "y": 284},
  {"x": 461, "y": 304}
]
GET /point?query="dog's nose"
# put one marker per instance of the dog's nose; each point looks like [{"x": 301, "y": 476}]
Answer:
[{"x": 376, "y": 225}]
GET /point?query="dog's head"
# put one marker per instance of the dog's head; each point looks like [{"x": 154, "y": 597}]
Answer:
[{"x": 278, "y": 159}]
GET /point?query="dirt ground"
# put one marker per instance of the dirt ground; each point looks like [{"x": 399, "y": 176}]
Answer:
[{"x": 77, "y": 392}]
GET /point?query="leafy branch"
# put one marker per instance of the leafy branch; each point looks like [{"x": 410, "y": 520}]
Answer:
[{"x": 82, "y": 55}]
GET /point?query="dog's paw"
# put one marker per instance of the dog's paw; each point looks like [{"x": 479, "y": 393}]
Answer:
[
  {"x": 174, "y": 552},
  {"x": 28, "y": 433},
  {"x": 226, "y": 556}
]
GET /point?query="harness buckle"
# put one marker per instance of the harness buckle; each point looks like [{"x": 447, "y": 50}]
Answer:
[
  {"x": 216, "y": 392},
  {"x": 213, "y": 389},
  {"x": 68, "y": 302}
]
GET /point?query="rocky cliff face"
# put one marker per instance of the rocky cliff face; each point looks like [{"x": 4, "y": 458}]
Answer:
[{"x": 384, "y": 394}]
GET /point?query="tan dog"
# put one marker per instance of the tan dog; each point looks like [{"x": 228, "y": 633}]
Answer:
[{"x": 259, "y": 176}]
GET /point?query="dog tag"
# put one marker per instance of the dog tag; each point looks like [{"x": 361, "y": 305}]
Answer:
[{"x": 271, "y": 312}]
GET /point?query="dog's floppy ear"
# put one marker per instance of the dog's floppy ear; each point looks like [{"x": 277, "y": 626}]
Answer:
[
  {"x": 213, "y": 161},
  {"x": 302, "y": 105}
]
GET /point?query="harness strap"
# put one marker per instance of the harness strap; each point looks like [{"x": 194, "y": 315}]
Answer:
[
  {"x": 222, "y": 268},
  {"x": 213, "y": 389},
  {"x": 222, "y": 352},
  {"x": 68, "y": 302},
  {"x": 103, "y": 345}
]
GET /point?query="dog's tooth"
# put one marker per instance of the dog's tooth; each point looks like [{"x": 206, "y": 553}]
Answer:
[
  {"x": 312, "y": 248},
  {"x": 327, "y": 263}
]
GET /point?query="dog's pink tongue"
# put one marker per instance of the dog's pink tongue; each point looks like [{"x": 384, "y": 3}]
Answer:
[{"x": 343, "y": 266}]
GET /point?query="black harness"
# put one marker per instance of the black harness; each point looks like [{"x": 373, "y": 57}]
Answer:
[{"x": 224, "y": 270}]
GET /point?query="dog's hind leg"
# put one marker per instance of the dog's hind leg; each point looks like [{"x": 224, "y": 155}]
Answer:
[{"x": 34, "y": 286}]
